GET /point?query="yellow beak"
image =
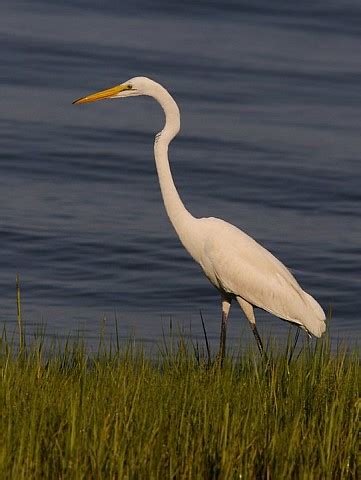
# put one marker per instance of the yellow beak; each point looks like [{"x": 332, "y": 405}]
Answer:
[{"x": 103, "y": 94}]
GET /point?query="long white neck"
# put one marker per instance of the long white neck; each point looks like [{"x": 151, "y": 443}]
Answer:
[{"x": 183, "y": 222}]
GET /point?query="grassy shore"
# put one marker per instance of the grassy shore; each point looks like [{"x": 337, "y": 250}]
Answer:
[{"x": 65, "y": 414}]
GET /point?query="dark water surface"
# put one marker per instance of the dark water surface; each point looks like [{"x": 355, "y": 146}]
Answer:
[{"x": 270, "y": 96}]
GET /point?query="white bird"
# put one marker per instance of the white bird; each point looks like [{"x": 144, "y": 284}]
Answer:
[{"x": 238, "y": 266}]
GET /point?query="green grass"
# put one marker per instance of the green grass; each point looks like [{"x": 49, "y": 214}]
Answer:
[{"x": 65, "y": 414}]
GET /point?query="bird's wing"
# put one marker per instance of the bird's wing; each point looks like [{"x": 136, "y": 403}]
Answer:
[{"x": 237, "y": 264}]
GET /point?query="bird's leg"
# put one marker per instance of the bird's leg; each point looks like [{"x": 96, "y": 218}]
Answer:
[
  {"x": 226, "y": 305},
  {"x": 248, "y": 310},
  {"x": 258, "y": 338}
]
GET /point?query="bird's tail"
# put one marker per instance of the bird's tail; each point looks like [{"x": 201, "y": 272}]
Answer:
[{"x": 316, "y": 326}]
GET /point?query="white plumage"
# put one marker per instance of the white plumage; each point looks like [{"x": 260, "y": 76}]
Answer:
[{"x": 238, "y": 266}]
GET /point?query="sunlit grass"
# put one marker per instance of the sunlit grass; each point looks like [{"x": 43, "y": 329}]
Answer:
[{"x": 123, "y": 415}]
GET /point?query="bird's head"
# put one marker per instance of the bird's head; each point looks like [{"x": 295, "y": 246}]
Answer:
[{"x": 133, "y": 87}]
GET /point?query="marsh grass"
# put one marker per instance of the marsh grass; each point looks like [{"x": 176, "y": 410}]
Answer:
[{"x": 119, "y": 414}]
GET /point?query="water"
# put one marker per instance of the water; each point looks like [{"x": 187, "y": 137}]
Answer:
[{"x": 271, "y": 108}]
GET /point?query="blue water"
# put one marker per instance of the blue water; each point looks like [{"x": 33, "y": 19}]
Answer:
[{"x": 271, "y": 118}]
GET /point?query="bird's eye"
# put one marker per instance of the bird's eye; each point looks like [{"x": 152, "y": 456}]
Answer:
[{"x": 129, "y": 87}]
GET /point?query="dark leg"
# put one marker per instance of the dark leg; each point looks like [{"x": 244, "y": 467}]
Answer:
[
  {"x": 226, "y": 305},
  {"x": 248, "y": 310},
  {"x": 258, "y": 338}
]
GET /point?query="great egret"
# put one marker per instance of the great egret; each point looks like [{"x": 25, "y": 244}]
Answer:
[{"x": 238, "y": 266}]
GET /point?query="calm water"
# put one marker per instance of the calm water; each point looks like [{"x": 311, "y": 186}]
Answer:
[{"x": 271, "y": 120}]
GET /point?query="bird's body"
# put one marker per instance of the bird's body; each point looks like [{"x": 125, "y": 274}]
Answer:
[{"x": 238, "y": 266}]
